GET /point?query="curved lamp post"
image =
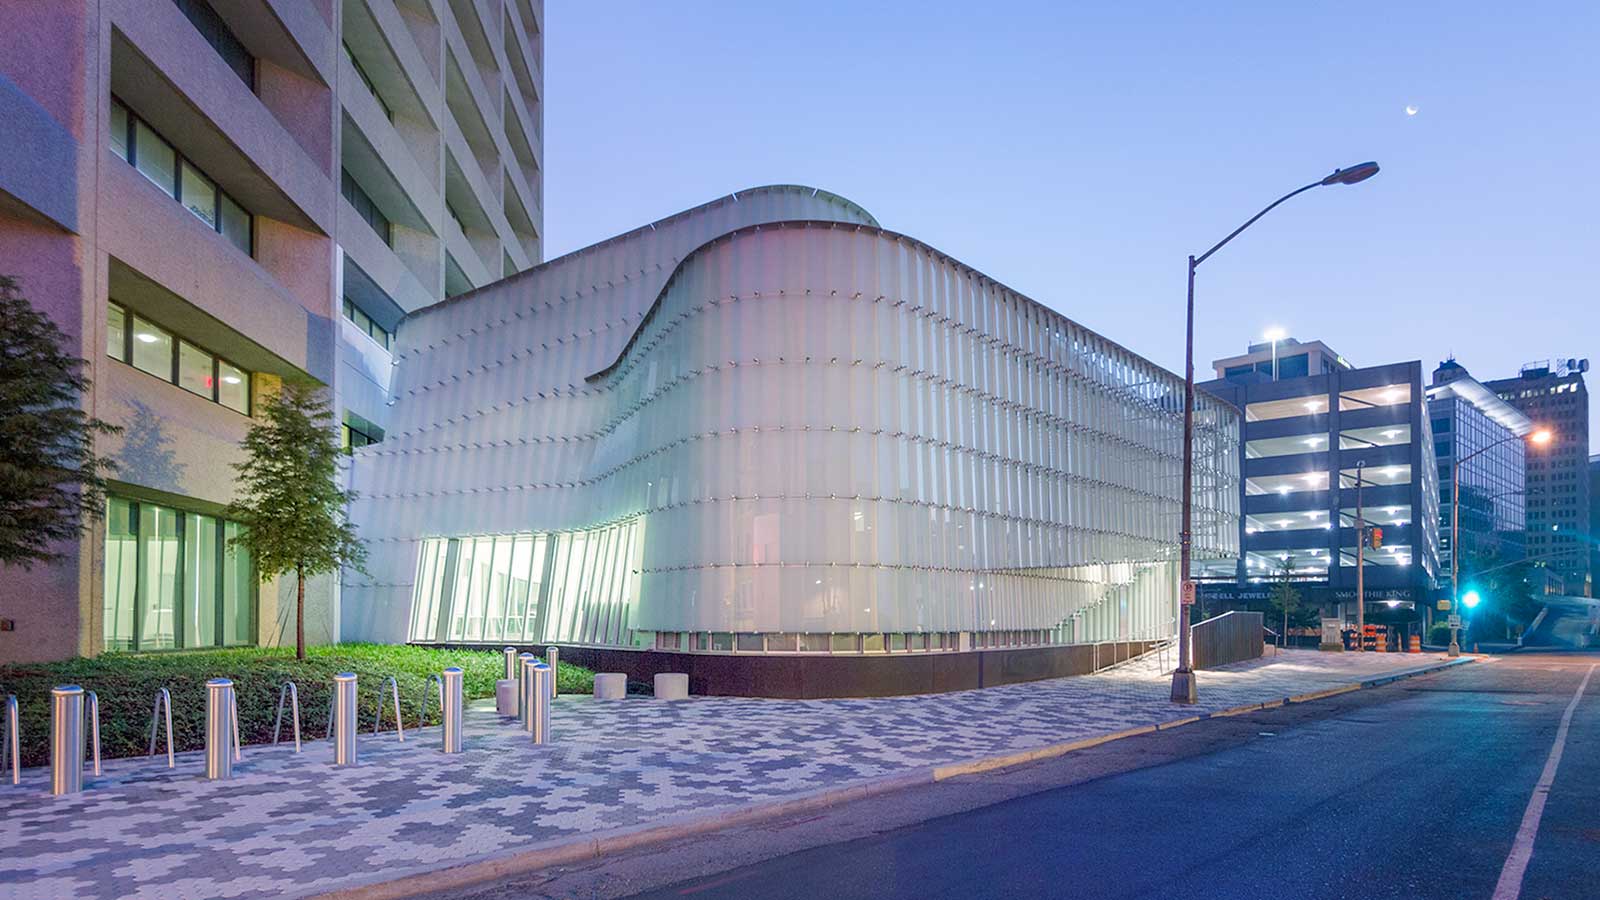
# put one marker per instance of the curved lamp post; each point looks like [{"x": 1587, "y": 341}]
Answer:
[
  {"x": 1542, "y": 436},
  {"x": 1183, "y": 684}
]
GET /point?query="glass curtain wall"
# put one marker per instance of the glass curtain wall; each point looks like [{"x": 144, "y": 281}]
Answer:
[
  {"x": 172, "y": 582},
  {"x": 574, "y": 587}
]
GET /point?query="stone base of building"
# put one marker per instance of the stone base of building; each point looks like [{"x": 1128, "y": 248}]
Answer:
[{"x": 814, "y": 677}]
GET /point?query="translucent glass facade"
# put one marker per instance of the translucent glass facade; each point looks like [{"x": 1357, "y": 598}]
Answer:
[
  {"x": 1493, "y": 497},
  {"x": 753, "y": 432}
]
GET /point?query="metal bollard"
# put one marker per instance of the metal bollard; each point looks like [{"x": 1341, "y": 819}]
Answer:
[
  {"x": 451, "y": 718},
  {"x": 66, "y": 739},
  {"x": 512, "y": 666},
  {"x": 552, "y": 655},
  {"x": 12, "y": 748},
  {"x": 536, "y": 714},
  {"x": 219, "y": 729},
  {"x": 344, "y": 719},
  {"x": 524, "y": 660}
]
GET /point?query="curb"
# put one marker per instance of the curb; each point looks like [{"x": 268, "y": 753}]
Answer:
[{"x": 562, "y": 851}]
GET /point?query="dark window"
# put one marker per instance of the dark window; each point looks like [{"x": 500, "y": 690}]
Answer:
[
  {"x": 364, "y": 206},
  {"x": 367, "y": 80},
  {"x": 367, "y": 325},
  {"x": 221, "y": 39},
  {"x": 1441, "y": 426},
  {"x": 356, "y": 432},
  {"x": 1294, "y": 366},
  {"x": 139, "y": 144}
]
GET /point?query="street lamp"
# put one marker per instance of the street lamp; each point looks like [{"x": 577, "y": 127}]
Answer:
[
  {"x": 1542, "y": 436},
  {"x": 1183, "y": 684}
]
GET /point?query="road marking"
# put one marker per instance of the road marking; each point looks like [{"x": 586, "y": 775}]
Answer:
[{"x": 1510, "y": 884}]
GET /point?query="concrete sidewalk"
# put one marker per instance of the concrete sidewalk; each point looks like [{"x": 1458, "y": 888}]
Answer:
[{"x": 618, "y": 773}]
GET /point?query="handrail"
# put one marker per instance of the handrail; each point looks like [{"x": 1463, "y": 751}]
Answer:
[
  {"x": 163, "y": 698},
  {"x": 292, "y": 693},
  {"x": 91, "y": 711},
  {"x": 331, "y": 698},
  {"x": 422, "y": 714},
  {"x": 399, "y": 726},
  {"x": 12, "y": 748}
]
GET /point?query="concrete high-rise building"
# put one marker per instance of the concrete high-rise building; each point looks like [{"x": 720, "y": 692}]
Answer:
[
  {"x": 1552, "y": 393},
  {"x": 1315, "y": 430},
  {"x": 212, "y": 195}
]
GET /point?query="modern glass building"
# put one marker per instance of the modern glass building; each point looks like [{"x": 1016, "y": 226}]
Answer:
[
  {"x": 768, "y": 427},
  {"x": 1469, "y": 420},
  {"x": 1319, "y": 450}
]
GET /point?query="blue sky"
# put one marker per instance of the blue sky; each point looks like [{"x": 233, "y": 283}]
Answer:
[{"x": 1080, "y": 151}]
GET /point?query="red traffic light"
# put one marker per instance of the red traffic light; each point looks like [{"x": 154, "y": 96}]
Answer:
[{"x": 1377, "y": 538}]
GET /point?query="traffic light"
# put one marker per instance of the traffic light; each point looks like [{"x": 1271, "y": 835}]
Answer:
[
  {"x": 1377, "y": 538},
  {"x": 1470, "y": 599}
]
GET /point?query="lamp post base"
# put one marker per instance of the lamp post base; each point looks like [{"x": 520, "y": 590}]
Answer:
[
  {"x": 1183, "y": 686},
  {"x": 1455, "y": 649}
]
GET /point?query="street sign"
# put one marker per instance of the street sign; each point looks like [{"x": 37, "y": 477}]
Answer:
[
  {"x": 1188, "y": 593},
  {"x": 1444, "y": 605},
  {"x": 1455, "y": 621}
]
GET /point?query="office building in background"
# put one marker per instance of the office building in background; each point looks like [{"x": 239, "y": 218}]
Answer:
[
  {"x": 1553, "y": 395},
  {"x": 208, "y": 197}
]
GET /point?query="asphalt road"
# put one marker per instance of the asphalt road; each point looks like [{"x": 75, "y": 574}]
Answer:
[{"x": 1414, "y": 790}]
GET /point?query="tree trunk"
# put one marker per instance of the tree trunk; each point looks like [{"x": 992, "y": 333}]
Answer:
[{"x": 300, "y": 614}]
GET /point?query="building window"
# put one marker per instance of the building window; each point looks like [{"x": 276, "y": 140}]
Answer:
[
  {"x": 151, "y": 348},
  {"x": 367, "y": 81},
  {"x": 139, "y": 144},
  {"x": 173, "y": 582},
  {"x": 367, "y": 326},
  {"x": 221, "y": 38},
  {"x": 364, "y": 207},
  {"x": 357, "y": 432}
]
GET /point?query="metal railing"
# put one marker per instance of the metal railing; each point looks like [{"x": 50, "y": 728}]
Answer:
[
  {"x": 163, "y": 701},
  {"x": 1232, "y": 637},
  {"x": 394, "y": 691},
  {"x": 91, "y": 711},
  {"x": 291, "y": 693},
  {"x": 12, "y": 748}
]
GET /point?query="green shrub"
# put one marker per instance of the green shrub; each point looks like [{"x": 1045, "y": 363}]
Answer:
[
  {"x": 1439, "y": 634},
  {"x": 126, "y": 685}
]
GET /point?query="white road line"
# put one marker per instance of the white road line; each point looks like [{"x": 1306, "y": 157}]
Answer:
[{"x": 1510, "y": 885}]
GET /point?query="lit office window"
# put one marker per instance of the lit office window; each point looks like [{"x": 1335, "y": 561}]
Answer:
[
  {"x": 152, "y": 349},
  {"x": 194, "y": 370},
  {"x": 117, "y": 332},
  {"x": 233, "y": 387},
  {"x": 172, "y": 582}
]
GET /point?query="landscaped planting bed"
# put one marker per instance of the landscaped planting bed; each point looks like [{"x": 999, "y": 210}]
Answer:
[{"x": 126, "y": 685}]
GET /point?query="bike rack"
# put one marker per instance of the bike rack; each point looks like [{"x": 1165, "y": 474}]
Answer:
[
  {"x": 233, "y": 710},
  {"x": 394, "y": 691},
  {"x": 91, "y": 711},
  {"x": 331, "y": 698},
  {"x": 292, "y": 694},
  {"x": 12, "y": 748},
  {"x": 163, "y": 699},
  {"x": 422, "y": 715}
]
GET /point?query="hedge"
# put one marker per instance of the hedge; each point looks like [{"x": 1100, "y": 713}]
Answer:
[{"x": 126, "y": 685}]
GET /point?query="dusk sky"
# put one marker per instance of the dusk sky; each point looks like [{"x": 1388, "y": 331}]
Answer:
[{"x": 1079, "y": 152}]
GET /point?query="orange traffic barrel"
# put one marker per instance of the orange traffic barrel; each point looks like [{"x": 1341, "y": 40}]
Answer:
[{"x": 1416, "y": 643}]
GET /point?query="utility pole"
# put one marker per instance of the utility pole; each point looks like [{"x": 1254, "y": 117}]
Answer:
[{"x": 1361, "y": 562}]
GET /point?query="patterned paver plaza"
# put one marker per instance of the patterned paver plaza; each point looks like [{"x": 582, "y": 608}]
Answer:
[{"x": 292, "y": 825}]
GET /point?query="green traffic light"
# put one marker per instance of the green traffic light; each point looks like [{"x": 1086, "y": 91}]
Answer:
[{"x": 1470, "y": 599}]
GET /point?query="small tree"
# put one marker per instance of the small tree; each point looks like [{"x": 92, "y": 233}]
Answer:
[
  {"x": 1285, "y": 597},
  {"x": 290, "y": 504},
  {"x": 51, "y": 480}
]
